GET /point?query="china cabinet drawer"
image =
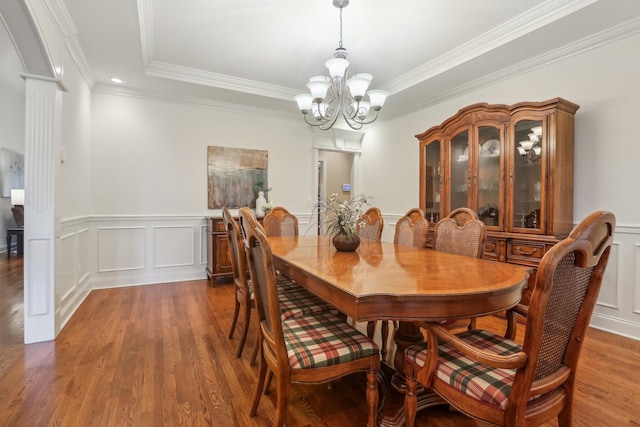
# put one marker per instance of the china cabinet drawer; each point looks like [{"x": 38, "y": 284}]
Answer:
[
  {"x": 491, "y": 249},
  {"x": 521, "y": 252}
]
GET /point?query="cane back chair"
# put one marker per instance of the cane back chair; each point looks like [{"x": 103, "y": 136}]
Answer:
[
  {"x": 311, "y": 349},
  {"x": 371, "y": 225},
  {"x": 410, "y": 230},
  {"x": 499, "y": 381},
  {"x": 280, "y": 222},
  {"x": 295, "y": 301},
  {"x": 461, "y": 232}
]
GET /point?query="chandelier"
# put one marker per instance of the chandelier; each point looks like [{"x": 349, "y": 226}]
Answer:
[{"x": 342, "y": 91}]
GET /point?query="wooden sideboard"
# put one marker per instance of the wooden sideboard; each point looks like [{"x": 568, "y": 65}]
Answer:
[
  {"x": 218, "y": 261},
  {"x": 513, "y": 165}
]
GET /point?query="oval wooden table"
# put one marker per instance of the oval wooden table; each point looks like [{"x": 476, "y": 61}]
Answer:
[{"x": 385, "y": 281}]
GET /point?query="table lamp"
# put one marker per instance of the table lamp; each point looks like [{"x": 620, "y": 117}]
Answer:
[{"x": 17, "y": 200}]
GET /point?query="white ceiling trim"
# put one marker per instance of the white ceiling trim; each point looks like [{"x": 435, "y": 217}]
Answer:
[
  {"x": 534, "y": 19},
  {"x": 65, "y": 24},
  {"x": 196, "y": 76},
  {"x": 194, "y": 101},
  {"x": 527, "y": 22},
  {"x": 610, "y": 35},
  {"x": 145, "y": 12},
  {"x": 222, "y": 81}
]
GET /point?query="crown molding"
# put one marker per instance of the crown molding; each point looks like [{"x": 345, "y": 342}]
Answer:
[
  {"x": 67, "y": 28},
  {"x": 145, "y": 12},
  {"x": 611, "y": 35},
  {"x": 222, "y": 81},
  {"x": 194, "y": 101},
  {"x": 513, "y": 29}
]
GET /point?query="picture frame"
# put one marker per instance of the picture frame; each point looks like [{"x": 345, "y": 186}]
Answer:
[
  {"x": 11, "y": 171},
  {"x": 234, "y": 176}
]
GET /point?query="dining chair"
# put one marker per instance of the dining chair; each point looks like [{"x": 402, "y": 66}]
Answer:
[
  {"x": 295, "y": 301},
  {"x": 243, "y": 291},
  {"x": 496, "y": 380},
  {"x": 280, "y": 222},
  {"x": 410, "y": 231},
  {"x": 310, "y": 349},
  {"x": 371, "y": 225},
  {"x": 461, "y": 232}
]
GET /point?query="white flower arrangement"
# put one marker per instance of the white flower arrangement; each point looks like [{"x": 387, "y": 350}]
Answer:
[{"x": 342, "y": 217}]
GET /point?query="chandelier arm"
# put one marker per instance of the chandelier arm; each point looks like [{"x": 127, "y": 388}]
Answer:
[
  {"x": 353, "y": 124},
  {"x": 373, "y": 119},
  {"x": 328, "y": 124}
]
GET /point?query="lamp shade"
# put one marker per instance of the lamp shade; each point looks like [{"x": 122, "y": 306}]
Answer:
[
  {"x": 337, "y": 67},
  {"x": 17, "y": 196},
  {"x": 359, "y": 84},
  {"x": 319, "y": 85},
  {"x": 377, "y": 97},
  {"x": 304, "y": 101}
]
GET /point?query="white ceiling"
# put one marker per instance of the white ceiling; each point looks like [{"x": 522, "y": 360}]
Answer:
[{"x": 257, "y": 54}]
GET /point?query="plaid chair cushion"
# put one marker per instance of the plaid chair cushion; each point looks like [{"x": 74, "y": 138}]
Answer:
[
  {"x": 297, "y": 302},
  {"x": 323, "y": 340},
  {"x": 487, "y": 384},
  {"x": 284, "y": 282}
]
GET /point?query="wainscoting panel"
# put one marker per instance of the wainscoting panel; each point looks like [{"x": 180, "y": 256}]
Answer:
[
  {"x": 83, "y": 255},
  {"x": 140, "y": 250},
  {"x": 121, "y": 248},
  {"x": 203, "y": 245},
  {"x": 106, "y": 252},
  {"x": 610, "y": 288},
  {"x": 37, "y": 300},
  {"x": 72, "y": 269},
  {"x": 66, "y": 261},
  {"x": 173, "y": 246}
]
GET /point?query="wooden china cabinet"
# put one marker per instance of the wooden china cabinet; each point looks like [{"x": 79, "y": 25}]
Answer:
[{"x": 513, "y": 165}]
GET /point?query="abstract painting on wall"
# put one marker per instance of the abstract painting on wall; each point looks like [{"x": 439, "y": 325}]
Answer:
[
  {"x": 235, "y": 175},
  {"x": 12, "y": 168}
]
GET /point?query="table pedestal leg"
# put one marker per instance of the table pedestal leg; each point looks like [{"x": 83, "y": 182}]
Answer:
[{"x": 392, "y": 406}]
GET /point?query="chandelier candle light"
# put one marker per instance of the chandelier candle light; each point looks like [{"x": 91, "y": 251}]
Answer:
[{"x": 343, "y": 91}]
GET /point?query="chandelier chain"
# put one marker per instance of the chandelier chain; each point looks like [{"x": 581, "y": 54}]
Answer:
[{"x": 340, "y": 40}]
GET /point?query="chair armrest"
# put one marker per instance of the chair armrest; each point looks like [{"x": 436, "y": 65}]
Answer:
[{"x": 516, "y": 360}]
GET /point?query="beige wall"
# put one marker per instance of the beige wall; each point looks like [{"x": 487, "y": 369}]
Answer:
[{"x": 338, "y": 172}]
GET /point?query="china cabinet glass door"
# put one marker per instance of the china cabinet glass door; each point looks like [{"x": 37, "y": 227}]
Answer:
[
  {"x": 459, "y": 171},
  {"x": 527, "y": 174},
  {"x": 432, "y": 184},
  {"x": 488, "y": 180}
]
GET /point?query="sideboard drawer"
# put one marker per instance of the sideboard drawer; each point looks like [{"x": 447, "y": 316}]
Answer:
[{"x": 529, "y": 252}]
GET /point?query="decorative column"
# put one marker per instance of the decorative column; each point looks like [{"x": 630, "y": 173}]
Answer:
[{"x": 42, "y": 103}]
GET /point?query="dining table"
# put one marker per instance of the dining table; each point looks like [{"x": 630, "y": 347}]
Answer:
[{"x": 387, "y": 281}]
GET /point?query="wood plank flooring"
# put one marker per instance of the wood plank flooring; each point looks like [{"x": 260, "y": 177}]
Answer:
[{"x": 159, "y": 355}]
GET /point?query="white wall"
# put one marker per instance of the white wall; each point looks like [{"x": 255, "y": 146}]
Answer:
[
  {"x": 604, "y": 82},
  {"x": 11, "y": 116},
  {"x": 150, "y": 157},
  {"x": 149, "y": 182}
]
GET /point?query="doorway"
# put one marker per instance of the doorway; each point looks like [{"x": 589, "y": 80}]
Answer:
[{"x": 335, "y": 176}]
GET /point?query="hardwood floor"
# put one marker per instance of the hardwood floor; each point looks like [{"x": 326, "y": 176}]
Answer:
[{"x": 159, "y": 356}]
